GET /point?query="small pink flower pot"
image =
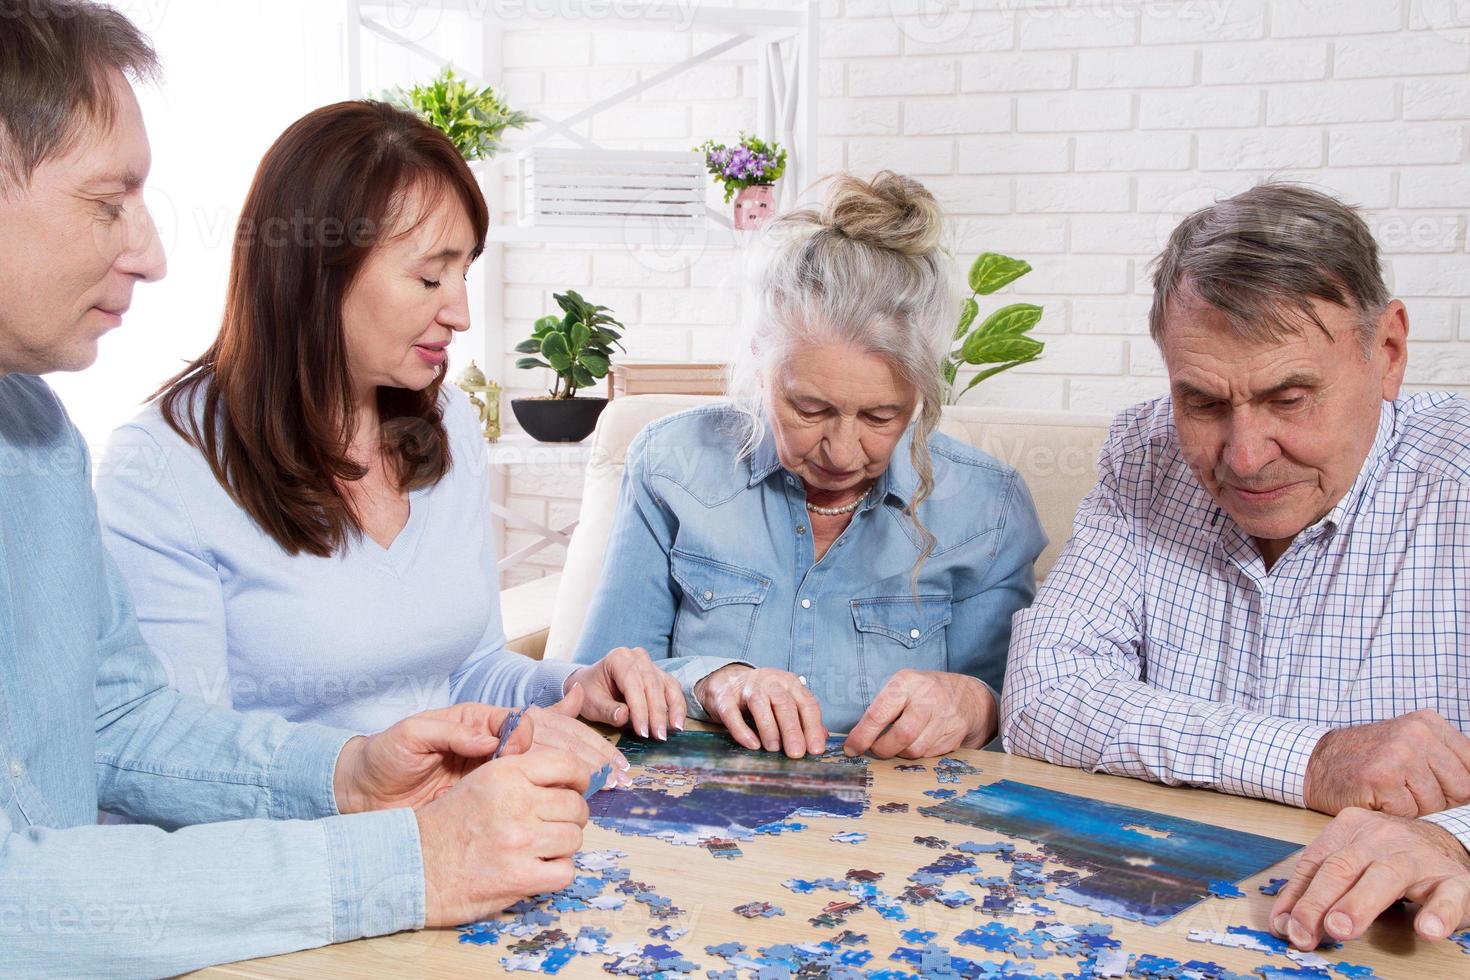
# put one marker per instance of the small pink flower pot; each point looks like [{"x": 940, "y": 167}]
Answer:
[{"x": 753, "y": 206}]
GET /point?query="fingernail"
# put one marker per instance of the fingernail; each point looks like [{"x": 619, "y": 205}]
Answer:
[
  {"x": 663, "y": 733},
  {"x": 643, "y": 729},
  {"x": 1298, "y": 935},
  {"x": 1339, "y": 924},
  {"x": 623, "y": 762},
  {"x": 1280, "y": 923},
  {"x": 679, "y": 725},
  {"x": 1431, "y": 925}
]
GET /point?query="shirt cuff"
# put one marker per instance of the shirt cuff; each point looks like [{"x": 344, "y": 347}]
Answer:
[
  {"x": 1456, "y": 820},
  {"x": 1266, "y": 757},
  {"x": 376, "y": 865},
  {"x": 302, "y": 771},
  {"x": 548, "y": 684},
  {"x": 689, "y": 671}
]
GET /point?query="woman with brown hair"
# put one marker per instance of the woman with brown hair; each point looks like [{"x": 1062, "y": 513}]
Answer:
[{"x": 302, "y": 514}]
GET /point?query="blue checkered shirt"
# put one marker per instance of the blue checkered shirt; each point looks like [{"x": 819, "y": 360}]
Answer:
[{"x": 1160, "y": 647}]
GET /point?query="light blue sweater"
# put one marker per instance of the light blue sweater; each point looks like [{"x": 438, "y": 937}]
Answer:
[{"x": 359, "y": 640}]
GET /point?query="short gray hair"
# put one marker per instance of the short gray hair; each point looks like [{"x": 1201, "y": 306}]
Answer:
[
  {"x": 1260, "y": 258},
  {"x": 865, "y": 270},
  {"x": 55, "y": 61}
]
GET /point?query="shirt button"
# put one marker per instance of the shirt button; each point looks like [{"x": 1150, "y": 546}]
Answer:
[
  {"x": 708, "y": 595},
  {"x": 806, "y": 603},
  {"x": 16, "y": 769},
  {"x": 801, "y": 529},
  {"x": 913, "y": 634}
]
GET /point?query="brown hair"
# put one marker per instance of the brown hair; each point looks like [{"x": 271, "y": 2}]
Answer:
[
  {"x": 55, "y": 59},
  {"x": 1263, "y": 255},
  {"x": 269, "y": 404}
]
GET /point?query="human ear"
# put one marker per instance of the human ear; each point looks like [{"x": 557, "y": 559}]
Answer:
[{"x": 1391, "y": 343}]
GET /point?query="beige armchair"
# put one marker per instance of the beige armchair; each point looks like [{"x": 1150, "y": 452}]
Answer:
[{"x": 1054, "y": 451}]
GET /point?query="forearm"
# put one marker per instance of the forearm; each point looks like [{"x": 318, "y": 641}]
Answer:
[
  {"x": 136, "y": 901},
  {"x": 1456, "y": 820},
  {"x": 172, "y": 760},
  {"x": 511, "y": 680},
  {"x": 1099, "y": 717}
]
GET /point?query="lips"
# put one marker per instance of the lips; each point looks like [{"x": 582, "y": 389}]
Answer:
[{"x": 431, "y": 353}]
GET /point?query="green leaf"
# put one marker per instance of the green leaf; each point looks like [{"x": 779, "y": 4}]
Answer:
[
  {"x": 547, "y": 323},
  {"x": 580, "y": 336},
  {"x": 581, "y": 377},
  {"x": 968, "y": 311},
  {"x": 1010, "y": 321},
  {"x": 992, "y": 372},
  {"x": 554, "y": 348},
  {"x": 981, "y": 349},
  {"x": 596, "y": 364},
  {"x": 991, "y": 270},
  {"x": 531, "y": 362},
  {"x": 950, "y": 370},
  {"x": 531, "y": 346}
]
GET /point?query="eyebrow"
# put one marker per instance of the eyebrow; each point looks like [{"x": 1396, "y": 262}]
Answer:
[
  {"x": 129, "y": 180},
  {"x": 445, "y": 254},
  {"x": 795, "y": 396},
  {"x": 1184, "y": 389}
]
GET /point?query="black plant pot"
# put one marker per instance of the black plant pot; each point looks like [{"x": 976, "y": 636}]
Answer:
[{"x": 558, "y": 419}]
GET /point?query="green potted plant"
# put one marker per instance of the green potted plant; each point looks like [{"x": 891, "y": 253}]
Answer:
[
  {"x": 578, "y": 347},
  {"x": 1000, "y": 339},
  {"x": 473, "y": 119},
  {"x": 749, "y": 171}
]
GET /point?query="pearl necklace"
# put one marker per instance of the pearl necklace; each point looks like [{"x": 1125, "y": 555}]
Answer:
[{"x": 839, "y": 511}]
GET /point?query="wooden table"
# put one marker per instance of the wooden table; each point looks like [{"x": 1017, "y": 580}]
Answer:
[{"x": 709, "y": 888}]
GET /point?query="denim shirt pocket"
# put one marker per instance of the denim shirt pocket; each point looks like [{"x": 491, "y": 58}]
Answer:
[
  {"x": 717, "y": 613},
  {"x": 895, "y": 632}
]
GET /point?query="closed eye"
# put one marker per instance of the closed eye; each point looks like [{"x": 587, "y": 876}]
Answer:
[{"x": 430, "y": 283}]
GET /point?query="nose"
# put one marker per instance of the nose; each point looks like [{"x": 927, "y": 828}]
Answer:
[
  {"x": 142, "y": 256},
  {"x": 455, "y": 313},
  {"x": 844, "y": 447},
  {"x": 1250, "y": 446}
]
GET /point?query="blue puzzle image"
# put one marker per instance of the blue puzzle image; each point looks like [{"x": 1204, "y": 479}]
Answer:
[{"x": 1144, "y": 866}]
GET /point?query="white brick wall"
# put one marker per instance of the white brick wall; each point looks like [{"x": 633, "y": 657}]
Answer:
[{"x": 1073, "y": 134}]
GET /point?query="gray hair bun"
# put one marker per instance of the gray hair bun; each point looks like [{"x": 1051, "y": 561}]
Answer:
[{"x": 890, "y": 211}]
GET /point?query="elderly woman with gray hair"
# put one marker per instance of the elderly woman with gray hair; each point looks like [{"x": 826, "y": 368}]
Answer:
[{"x": 813, "y": 554}]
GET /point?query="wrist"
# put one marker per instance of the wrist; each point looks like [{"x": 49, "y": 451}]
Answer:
[
  {"x": 573, "y": 679},
  {"x": 980, "y": 710},
  {"x": 345, "y": 780}
]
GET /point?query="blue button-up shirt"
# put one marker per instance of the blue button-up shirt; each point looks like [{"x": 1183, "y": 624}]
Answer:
[
  {"x": 711, "y": 562},
  {"x": 1161, "y": 647},
  {"x": 87, "y": 719}
]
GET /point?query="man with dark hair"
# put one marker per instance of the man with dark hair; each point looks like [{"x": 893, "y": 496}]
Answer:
[
  {"x": 1268, "y": 591},
  {"x": 268, "y": 859}
]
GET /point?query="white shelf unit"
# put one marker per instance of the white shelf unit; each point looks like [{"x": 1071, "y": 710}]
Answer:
[{"x": 782, "y": 43}]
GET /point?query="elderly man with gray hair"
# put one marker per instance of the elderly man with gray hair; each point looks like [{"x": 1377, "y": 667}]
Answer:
[{"x": 1268, "y": 591}]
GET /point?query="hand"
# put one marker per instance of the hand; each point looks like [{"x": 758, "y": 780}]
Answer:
[
  {"x": 780, "y": 707},
  {"x": 1361, "y": 864},
  {"x": 507, "y": 831},
  {"x": 557, "y": 727},
  {"x": 926, "y": 713},
  {"x": 417, "y": 759},
  {"x": 1410, "y": 766},
  {"x": 627, "y": 688}
]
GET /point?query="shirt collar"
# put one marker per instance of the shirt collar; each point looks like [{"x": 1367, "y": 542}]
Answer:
[
  {"x": 1368, "y": 477},
  {"x": 899, "y": 480}
]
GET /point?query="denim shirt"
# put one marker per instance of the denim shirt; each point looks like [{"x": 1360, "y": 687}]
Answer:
[
  {"x": 711, "y": 562},
  {"x": 87, "y": 720}
]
